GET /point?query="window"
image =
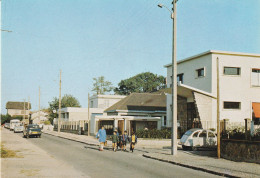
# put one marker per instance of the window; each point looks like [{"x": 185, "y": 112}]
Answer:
[
  {"x": 255, "y": 77},
  {"x": 211, "y": 134},
  {"x": 164, "y": 120},
  {"x": 203, "y": 134},
  {"x": 200, "y": 72},
  {"x": 231, "y": 70},
  {"x": 231, "y": 105},
  {"x": 195, "y": 134},
  {"x": 180, "y": 78}
]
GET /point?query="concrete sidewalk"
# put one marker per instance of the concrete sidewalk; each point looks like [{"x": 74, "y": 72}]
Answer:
[
  {"x": 32, "y": 161},
  {"x": 200, "y": 160}
]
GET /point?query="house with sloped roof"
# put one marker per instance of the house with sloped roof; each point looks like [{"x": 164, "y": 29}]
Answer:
[
  {"x": 137, "y": 111},
  {"x": 15, "y": 108}
]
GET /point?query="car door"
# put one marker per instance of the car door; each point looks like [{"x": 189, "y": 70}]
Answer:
[
  {"x": 202, "y": 138},
  {"x": 195, "y": 138},
  {"x": 211, "y": 140}
]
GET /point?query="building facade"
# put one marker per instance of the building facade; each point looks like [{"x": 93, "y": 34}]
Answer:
[
  {"x": 237, "y": 75},
  {"x": 15, "y": 108},
  {"x": 137, "y": 111}
]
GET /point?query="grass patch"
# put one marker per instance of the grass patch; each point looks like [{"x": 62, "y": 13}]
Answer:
[{"x": 6, "y": 153}]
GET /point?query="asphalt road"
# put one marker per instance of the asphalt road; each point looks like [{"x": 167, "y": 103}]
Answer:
[{"x": 94, "y": 163}]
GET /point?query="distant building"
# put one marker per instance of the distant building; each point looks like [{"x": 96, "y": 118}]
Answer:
[
  {"x": 239, "y": 89},
  {"x": 39, "y": 117},
  {"x": 15, "y": 108},
  {"x": 98, "y": 103}
]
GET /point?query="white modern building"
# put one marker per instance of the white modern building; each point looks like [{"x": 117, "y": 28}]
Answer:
[{"x": 239, "y": 88}]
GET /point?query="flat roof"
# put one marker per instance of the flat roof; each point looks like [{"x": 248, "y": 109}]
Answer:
[{"x": 214, "y": 52}]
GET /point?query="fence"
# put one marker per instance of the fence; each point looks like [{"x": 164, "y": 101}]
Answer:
[{"x": 78, "y": 127}]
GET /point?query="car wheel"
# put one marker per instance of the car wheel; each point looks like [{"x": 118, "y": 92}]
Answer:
[
  {"x": 194, "y": 148},
  {"x": 27, "y": 136},
  {"x": 184, "y": 147}
]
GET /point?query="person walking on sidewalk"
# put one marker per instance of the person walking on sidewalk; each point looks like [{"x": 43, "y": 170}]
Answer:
[
  {"x": 114, "y": 138},
  {"x": 124, "y": 139},
  {"x": 102, "y": 136},
  {"x": 118, "y": 142},
  {"x": 133, "y": 141}
]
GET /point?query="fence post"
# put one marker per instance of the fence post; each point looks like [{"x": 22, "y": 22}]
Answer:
[
  {"x": 247, "y": 128},
  {"x": 225, "y": 124}
]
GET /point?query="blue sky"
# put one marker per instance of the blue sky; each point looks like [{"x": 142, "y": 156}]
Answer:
[{"x": 114, "y": 38}]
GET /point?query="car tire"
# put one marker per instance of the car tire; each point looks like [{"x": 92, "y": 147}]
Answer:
[
  {"x": 184, "y": 147},
  {"x": 27, "y": 136},
  {"x": 194, "y": 148}
]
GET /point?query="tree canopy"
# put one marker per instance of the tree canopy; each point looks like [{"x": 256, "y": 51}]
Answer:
[
  {"x": 66, "y": 101},
  {"x": 140, "y": 83},
  {"x": 100, "y": 86}
]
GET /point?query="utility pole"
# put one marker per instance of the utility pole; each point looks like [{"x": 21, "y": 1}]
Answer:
[
  {"x": 174, "y": 76},
  {"x": 59, "y": 120},
  {"x": 88, "y": 117},
  {"x": 218, "y": 115},
  {"x": 39, "y": 115},
  {"x": 24, "y": 110},
  {"x": 174, "y": 80},
  {"x": 28, "y": 109}
]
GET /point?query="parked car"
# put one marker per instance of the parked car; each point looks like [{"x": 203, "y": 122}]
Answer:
[
  {"x": 198, "y": 138},
  {"x": 18, "y": 128},
  {"x": 13, "y": 123},
  {"x": 32, "y": 130},
  {"x": 7, "y": 125}
]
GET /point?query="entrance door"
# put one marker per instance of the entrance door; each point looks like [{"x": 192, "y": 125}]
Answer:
[
  {"x": 132, "y": 127},
  {"x": 120, "y": 127}
]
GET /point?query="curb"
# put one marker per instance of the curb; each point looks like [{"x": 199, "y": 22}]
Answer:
[
  {"x": 192, "y": 167},
  {"x": 91, "y": 144}
]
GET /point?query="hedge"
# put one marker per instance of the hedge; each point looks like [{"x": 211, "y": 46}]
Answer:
[{"x": 154, "y": 133}]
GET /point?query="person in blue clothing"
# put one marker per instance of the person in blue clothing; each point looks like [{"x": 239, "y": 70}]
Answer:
[
  {"x": 102, "y": 136},
  {"x": 124, "y": 139}
]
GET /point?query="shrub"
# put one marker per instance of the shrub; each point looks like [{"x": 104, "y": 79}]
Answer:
[
  {"x": 47, "y": 122},
  {"x": 154, "y": 133}
]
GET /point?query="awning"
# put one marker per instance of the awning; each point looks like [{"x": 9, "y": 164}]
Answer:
[{"x": 256, "y": 108}]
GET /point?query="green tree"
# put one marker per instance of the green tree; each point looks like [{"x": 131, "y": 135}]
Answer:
[
  {"x": 5, "y": 118},
  {"x": 66, "y": 101},
  {"x": 140, "y": 83},
  {"x": 100, "y": 86}
]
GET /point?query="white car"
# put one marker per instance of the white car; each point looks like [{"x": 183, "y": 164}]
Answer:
[
  {"x": 198, "y": 138},
  {"x": 18, "y": 128}
]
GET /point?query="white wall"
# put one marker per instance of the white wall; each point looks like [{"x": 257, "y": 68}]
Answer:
[
  {"x": 17, "y": 112},
  {"x": 237, "y": 88},
  {"x": 190, "y": 75}
]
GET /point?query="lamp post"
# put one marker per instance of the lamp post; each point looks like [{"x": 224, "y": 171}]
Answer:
[
  {"x": 174, "y": 76},
  {"x": 59, "y": 120}
]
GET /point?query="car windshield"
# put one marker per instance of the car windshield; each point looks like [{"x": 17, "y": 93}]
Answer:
[
  {"x": 33, "y": 127},
  {"x": 189, "y": 132}
]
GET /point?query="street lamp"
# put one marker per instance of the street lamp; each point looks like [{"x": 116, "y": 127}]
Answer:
[{"x": 174, "y": 76}]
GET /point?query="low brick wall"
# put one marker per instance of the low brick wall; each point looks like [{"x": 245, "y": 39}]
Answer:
[{"x": 241, "y": 150}]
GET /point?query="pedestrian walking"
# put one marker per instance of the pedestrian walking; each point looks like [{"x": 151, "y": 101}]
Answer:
[
  {"x": 102, "y": 136},
  {"x": 114, "y": 138},
  {"x": 118, "y": 142},
  {"x": 124, "y": 139},
  {"x": 133, "y": 141}
]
